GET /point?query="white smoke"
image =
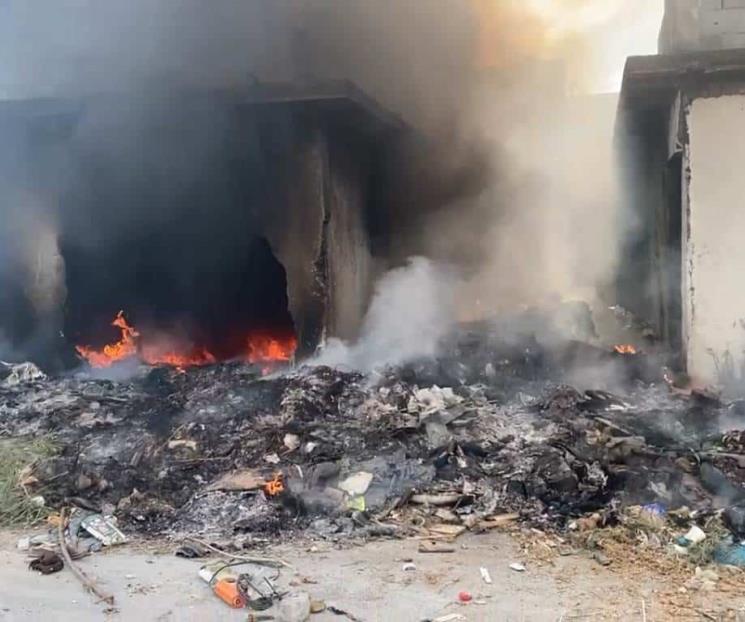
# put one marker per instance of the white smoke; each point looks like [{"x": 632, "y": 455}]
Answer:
[{"x": 411, "y": 311}]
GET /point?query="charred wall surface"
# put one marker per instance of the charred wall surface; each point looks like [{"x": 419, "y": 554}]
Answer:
[
  {"x": 32, "y": 170},
  {"x": 325, "y": 245},
  {"x": 642, "y": 146}
]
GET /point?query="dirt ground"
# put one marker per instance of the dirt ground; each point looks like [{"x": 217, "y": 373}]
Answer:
[{"x": 368, "y": 581}]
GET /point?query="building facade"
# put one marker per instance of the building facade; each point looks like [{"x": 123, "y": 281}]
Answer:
[
  {"x": 681, "y": 139},
  {"x": 198, "y": 210}
]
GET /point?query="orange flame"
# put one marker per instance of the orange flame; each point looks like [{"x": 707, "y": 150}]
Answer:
[
  {"x": 122, "y": 349},
  {"x": 259, "y": 348},
  {"x": 274, "y": 486},
  {"x": 625, "y": 349},
  {"x": 265, "y": 349},
  {"x": 195, "y": 358}
]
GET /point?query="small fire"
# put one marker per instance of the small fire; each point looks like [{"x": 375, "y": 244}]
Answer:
[
  {"x": 274, "y": 486},
  {"x": 259, "y": 348},
  {"x": 196, "y": 358},
  {"x": 122, "y": 349},
  {"x": 265, "y": 349},
  {"x": 625, "y": 349}
]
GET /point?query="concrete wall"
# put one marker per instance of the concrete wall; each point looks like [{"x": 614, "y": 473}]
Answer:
[
  {"x": 321, "y": 237},
  {"x": 692, "y": 25},
  {"x": 713, "y": 242},
  {"x": 32, "y": 284},
  {"x": 296, "y": 234},
  {"x": 350, "y": 265}
]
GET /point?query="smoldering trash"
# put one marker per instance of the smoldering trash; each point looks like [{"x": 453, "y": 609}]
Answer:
[{"x": 480, "y": 436}]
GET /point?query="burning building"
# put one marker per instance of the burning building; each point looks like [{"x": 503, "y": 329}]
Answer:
[
  {"x": 681, "y": 124},
  {"x": 205, "y": 225}
]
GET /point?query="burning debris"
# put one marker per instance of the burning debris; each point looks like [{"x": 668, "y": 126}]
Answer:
[
  {"x": 486, "y": 435},
  {"x": 274, "y": 486},
  {"x": 220, "y": 449},
  {"x": 625, "y": 349},
  {"x": 259, "y": 348},
  {"x": 123, "y": 349},
  {"x": 263, "y": 218}
]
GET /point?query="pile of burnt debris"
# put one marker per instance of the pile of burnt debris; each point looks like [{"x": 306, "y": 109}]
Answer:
[{"x": 466, "y": 440}]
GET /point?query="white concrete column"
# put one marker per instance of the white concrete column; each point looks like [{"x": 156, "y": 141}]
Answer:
[{"x": 714, "y": 241}]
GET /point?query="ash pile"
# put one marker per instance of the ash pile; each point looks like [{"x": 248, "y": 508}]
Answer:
[{"x": 467, "y": 440}]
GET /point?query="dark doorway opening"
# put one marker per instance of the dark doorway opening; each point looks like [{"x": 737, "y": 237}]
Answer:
[
  {"x": 671, "y": 249},
  {"x": 178, "y": 305},
  {"x": 162, "y": 220}
]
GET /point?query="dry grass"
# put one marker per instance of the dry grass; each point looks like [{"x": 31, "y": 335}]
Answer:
[
  {"x": 17, "y": 458},
  {"x": 641, "y": 554}
]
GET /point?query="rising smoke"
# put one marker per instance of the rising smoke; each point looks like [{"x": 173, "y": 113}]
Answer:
[
  {"x": 547, "y": 226},
  {"x": 518, "y": 193},
  {"x": 411, "y": 311}
]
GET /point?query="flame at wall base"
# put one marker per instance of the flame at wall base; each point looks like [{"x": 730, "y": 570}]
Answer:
[{"x": 258, "y": 347}]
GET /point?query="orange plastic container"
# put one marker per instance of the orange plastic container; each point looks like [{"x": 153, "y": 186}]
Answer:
[{"x": 227, "y": 591}]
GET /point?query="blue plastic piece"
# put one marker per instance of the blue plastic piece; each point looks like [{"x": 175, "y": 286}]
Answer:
[
  {"x": 682, "y": 541},
  {"x": 730, "y": 555}
]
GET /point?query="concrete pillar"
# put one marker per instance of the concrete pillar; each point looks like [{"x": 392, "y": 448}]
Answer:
[{"x": 713, "y": 248}]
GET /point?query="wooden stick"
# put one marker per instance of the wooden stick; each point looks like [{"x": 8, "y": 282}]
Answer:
[
  {"x": 265, "y": 561},
  {"x": 87, "y": 582}
]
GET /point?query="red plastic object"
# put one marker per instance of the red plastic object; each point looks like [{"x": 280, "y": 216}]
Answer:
[
  {"x": 465, "y": 597},
  {"x": 227, "y": 591}
]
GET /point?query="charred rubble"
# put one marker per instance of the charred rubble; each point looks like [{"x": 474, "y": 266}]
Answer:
[{"x": 485, "y": 430}]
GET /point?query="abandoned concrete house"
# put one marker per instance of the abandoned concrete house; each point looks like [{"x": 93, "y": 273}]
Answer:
[
  {"x": 253, "y": 210},
  {"x": 681, "y": 128}
]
